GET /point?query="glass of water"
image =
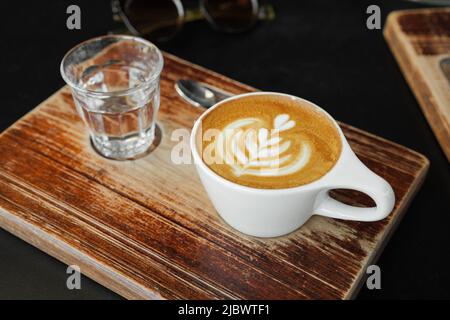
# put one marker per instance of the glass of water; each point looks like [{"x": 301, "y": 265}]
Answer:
[{"x": 115, "y": 86}]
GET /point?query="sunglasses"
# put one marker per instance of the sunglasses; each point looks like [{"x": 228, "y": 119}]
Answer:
[{"x": 161, "y": 20}]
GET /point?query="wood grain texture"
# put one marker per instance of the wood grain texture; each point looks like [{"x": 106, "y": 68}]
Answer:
[
  {"x": 146, "y": 229},
  {"x": 419, "y": 40}
]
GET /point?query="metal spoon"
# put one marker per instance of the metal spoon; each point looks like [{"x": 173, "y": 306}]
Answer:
[{"x": 200, "y": 94}]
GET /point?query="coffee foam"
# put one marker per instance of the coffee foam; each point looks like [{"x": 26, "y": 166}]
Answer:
[{"x": 267, "y": 141}]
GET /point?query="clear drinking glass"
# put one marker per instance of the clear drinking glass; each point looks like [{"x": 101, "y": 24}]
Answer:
[{"x": 115, "y": 86}]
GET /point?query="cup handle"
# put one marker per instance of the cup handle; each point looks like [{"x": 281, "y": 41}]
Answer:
[{"x": 353, "y": 174}]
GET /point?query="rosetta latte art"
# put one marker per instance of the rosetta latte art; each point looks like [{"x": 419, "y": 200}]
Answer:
[
  {"x": 250, "y": 146},
  {"x": 268, "y": 141}
]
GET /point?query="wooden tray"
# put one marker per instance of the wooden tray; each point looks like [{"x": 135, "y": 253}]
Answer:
[
  {"x": 146, "y": 229},
  {"x": 420, "y": 39}
]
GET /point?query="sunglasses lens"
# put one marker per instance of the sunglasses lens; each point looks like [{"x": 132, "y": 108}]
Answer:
[
  {"x": 155, "y": 19},
  {"x": 231, "y": 15}
]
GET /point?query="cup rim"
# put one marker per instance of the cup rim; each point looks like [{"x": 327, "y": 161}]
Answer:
[
  {"x": 119, "y": 92},
  {"x": 313, "y": 184}
]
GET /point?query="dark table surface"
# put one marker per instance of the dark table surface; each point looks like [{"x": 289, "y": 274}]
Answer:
[{"x": 319, "y": 50}]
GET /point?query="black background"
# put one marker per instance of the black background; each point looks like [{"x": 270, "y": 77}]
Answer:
[{"x": 319, "y": 50}]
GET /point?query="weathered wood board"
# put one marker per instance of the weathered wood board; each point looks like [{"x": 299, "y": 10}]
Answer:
[
  {"x": 146, "y": 229},
  {"x": 420, "y": 40}
]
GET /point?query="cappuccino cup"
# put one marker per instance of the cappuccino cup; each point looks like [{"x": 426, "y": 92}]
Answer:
[{"x": 272, "y": 161}]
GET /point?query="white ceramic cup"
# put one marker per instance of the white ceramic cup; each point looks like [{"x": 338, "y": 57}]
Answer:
[{"x": 276, "y": 212}]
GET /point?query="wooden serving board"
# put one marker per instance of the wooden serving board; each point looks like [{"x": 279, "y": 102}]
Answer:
[
  {"x": 146, "y": 229},
  {"x": 420, "y": 39}
]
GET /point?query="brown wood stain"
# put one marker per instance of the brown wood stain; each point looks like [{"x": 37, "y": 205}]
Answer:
[
  {"x": 420, "y": 40},
  {"x": 146, "y": 229}
]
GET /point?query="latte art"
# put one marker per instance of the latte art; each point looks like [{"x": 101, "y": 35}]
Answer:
[
  {"x": 266, "y": 141},
  {"x": 250, "y": 147}
]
